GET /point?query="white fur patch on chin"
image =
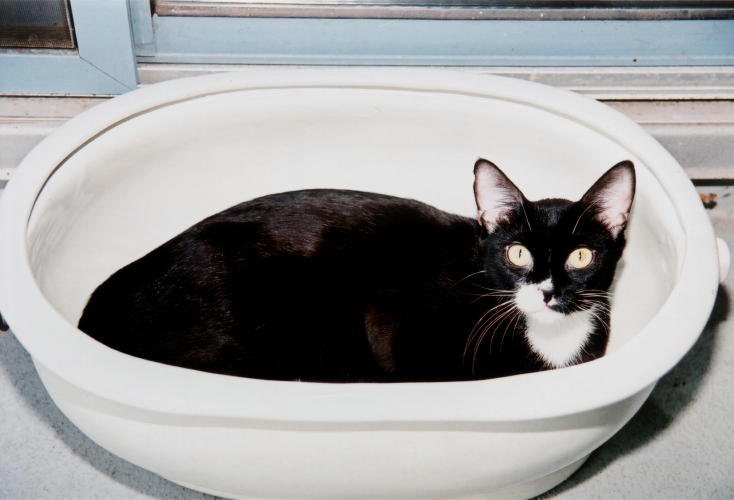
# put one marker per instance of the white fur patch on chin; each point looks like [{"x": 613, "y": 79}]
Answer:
[
  {"x": 529, "y": 297},
  {"x": 556, "y": 337}
]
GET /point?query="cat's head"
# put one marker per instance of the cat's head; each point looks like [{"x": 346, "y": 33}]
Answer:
[{"x": 554, "y": 258}]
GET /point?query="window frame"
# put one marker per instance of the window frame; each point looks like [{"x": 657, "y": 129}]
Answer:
[
  {"x": 115, "y": 36},
  {"x": 104, "y": 62},
  {"x": 426, "y": 42}
]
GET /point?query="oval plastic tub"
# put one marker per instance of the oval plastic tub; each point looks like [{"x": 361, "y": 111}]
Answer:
[{"x": 123, "y": 177}]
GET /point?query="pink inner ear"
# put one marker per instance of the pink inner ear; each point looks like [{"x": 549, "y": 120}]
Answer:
[
  {"x": 615, "y": 200},
  {"x": 495, "y": 196}
]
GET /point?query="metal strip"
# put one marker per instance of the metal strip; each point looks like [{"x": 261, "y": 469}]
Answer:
[{"x": 410, "y": 10}]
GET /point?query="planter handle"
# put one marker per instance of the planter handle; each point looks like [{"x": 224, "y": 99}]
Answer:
[{"x": 724, "y": 259}]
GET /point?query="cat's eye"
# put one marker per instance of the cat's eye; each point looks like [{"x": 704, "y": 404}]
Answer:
[
  {"x": 519, "y": 256},
  {"x": 580, "y": 258}
]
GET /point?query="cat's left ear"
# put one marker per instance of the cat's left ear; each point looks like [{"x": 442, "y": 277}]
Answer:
[
  {"x": 610, "y": 198},
  {"x": 495, "y": 194}
]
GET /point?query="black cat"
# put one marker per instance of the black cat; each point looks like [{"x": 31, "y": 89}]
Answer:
[{"x": 347, "y": 286}]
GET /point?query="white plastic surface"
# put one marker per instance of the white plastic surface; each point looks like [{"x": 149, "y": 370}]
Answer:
[{"x": 125, "y": 176}]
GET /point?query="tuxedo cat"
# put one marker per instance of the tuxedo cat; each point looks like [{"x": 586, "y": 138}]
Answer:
[{"x": 348, "y": 286}]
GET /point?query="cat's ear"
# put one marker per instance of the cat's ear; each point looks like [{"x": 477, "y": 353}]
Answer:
[
  {"x": 610, "y": 198},
  {"x": 495, "y": 194}
]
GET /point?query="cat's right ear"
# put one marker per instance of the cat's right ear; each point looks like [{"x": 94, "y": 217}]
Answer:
[
  {"x": 611, "y": 197},
  {"x": 495, "y": 194}
]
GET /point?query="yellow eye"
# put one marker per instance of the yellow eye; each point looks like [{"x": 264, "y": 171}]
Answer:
[
  {"x": 580, "y": 258},
  {"x": 519, "y": 255}
]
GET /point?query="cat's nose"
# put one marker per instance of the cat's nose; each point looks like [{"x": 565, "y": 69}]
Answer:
[{"x": 547, "y": 296}]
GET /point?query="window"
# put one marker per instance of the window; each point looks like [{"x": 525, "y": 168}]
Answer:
[
  {"x": 113, "y": 36},
  {"x": 102, "y": 60},
  {"x": 467, "y": 33},
  {"x": 36, "y": 24}
]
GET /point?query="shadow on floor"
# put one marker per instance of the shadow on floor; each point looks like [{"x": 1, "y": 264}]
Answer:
[
  {"x": 671, "y": 395},
  {"x": 16, "y": 362}
]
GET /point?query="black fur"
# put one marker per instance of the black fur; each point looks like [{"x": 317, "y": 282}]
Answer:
[{"x": 342, "y": 286}]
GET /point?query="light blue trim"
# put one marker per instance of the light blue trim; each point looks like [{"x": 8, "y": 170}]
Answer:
[
  {"x": 440, "y": 42},
  {"x": 142, "y": 24},
  {"x": 104, "y": 62},
  {"x": 54, "y": 74}
]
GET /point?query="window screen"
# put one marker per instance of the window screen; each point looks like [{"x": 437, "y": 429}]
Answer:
[{"x": 36, "y": 24}]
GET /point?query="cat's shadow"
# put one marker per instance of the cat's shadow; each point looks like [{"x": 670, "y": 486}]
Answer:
[{"x": 672, "y": 394}]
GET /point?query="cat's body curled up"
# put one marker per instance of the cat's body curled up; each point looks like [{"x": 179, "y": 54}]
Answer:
[{"x": 347, "y": 286}]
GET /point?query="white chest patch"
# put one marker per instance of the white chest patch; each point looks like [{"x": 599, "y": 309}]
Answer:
[
  {"x": 559, "y": 341},
  {"x": 557, "y": 338}
]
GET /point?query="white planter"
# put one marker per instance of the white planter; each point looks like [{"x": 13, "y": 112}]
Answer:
[{"x": 125, "y": 176}]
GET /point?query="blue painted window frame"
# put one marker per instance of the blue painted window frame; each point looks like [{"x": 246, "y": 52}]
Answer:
[
  {"x": 103, "y": 63},
  {"x": 337, "y": 41},
  {"x": 113, "y": 35}
]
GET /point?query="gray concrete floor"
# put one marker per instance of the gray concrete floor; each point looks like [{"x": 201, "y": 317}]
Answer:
[{"x": 679, "y": 445}]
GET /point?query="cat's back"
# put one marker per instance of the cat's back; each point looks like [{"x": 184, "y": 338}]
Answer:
[
  {"x": 340, "y": 227},
  {"x": 312, "y": 221}
]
